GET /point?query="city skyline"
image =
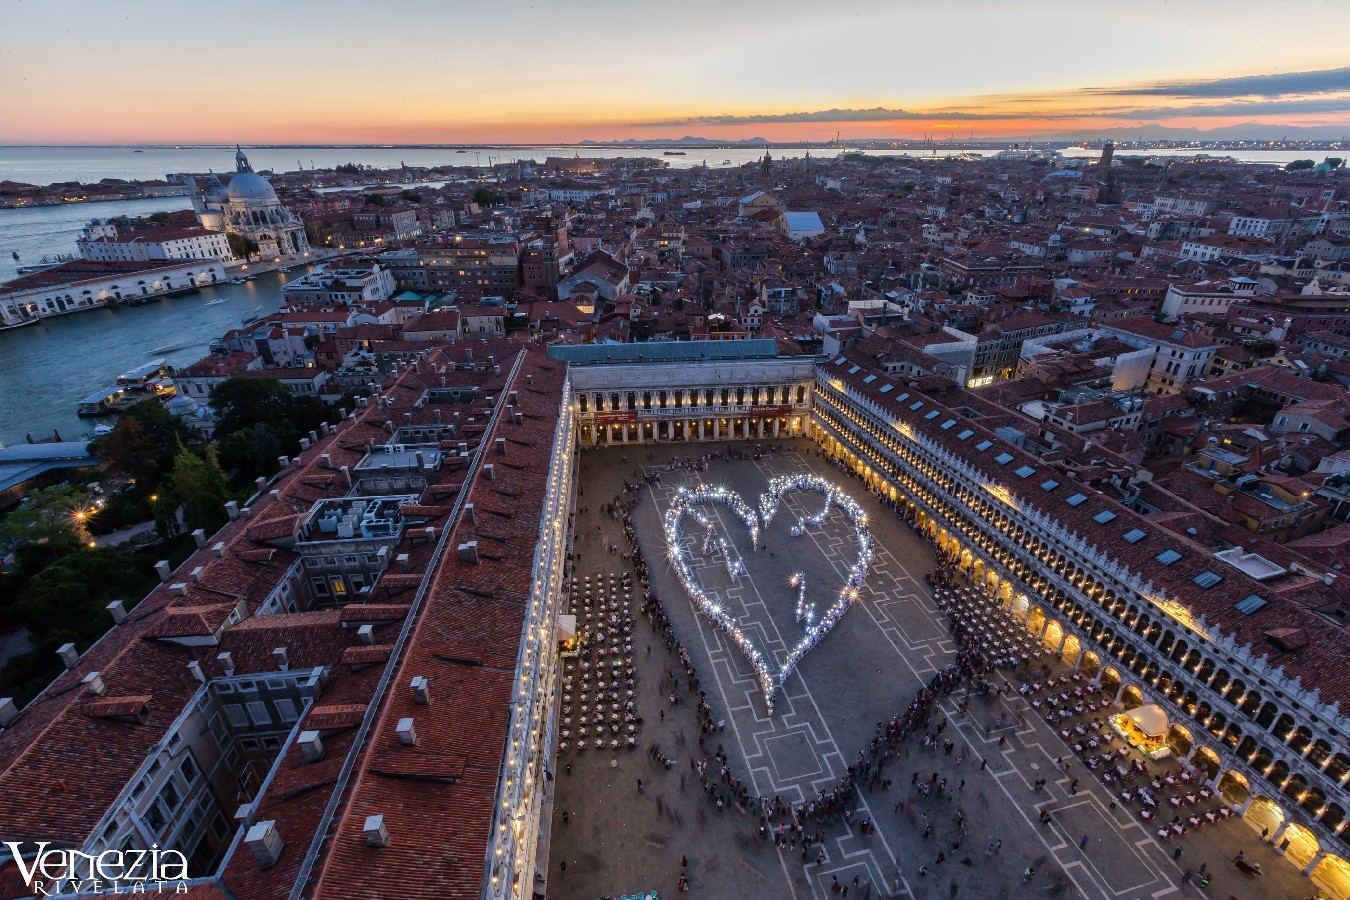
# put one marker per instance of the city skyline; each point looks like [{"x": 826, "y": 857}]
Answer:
[{"x": 784, "y": 72}]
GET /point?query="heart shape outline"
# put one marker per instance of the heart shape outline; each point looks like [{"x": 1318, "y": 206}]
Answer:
[{"x": 769, "y": 677}]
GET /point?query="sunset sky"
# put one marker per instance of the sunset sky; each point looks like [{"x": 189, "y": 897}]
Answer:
[{"x": 406, "y": 71}]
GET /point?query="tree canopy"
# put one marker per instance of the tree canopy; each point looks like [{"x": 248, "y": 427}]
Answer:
[
  {"x": 143, "y": 444},
  {"x": 257, "y": 420}
]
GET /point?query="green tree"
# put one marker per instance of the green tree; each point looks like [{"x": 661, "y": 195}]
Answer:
[
  {"x": 199, "y": 485},
  {"x": 1299, "y": 165},
  {"x": 257, "y": 420},
  {"x": 143, "y": 444},
  {"x": 1334, "y": 162},
  {"x": 54, "y": 516},
  {"x": 486, "y": 197},
  {"x": 240, "y": 246}
]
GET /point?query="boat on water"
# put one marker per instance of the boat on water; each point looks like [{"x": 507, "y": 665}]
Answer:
[
  {"x": 250, "y": 277},
  {"x": 674, "y": 153},
  {"x": 99, "y": 431},
  {"x": 167, "y": 348},
  {"x": 214, "y": 302},
  {"x": 236, "y": 281},
  {"x": 253, "y": 315}
]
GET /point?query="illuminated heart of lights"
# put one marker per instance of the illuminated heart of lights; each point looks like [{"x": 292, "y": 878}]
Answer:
[{"x": 771, "y": 674}]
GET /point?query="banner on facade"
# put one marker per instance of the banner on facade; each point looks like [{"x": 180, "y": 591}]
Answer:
[
  {"x": 615, "y": 418},
  {"x": 770, "y": 411}
]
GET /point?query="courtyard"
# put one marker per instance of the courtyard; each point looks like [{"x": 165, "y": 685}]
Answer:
[{"x": 610, "y": 837}]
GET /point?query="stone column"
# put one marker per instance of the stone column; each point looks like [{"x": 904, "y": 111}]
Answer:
[
  {"x": 1120, "y": 690},
  {"x": 700, "y": 429},
  {"x": 761, "y": 426},
  {"x": 624, "y": 433},
  {"x": 687, "y": 425},
  {"x": 1317, "y": 858},
  {"x": 1247, "y": 805},
  {"x": 775, "y": 426},
  {"x": 717, "y": 429},
  {"x": 1279, "y": 833}
]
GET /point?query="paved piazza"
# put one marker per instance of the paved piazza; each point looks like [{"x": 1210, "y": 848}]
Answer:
[{"x": 616, "y": 840}]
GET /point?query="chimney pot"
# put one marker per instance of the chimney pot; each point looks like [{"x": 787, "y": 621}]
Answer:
[
  {"x": 265, "y": 842},
  {"x": 196, "y": 669},
  {"x": 283, "y": 462},
  {"x": 377, "y": 835},
  {"x": 421, "y": 689},
  {"x": 501, "y": 446},
  {"x": 232, "y": 510},
  {"x": 366, "y": 633},
  {"x": 282, "y": 659},
  {"x": 468, "y": 512},
  {"x": 312, "y": 745},
  {"x": 199, "y": 538},
  {"x": 226, "y": 663},
  {"x": 69, "y": 655},
  {"x": 93, "y": 683},
  {"x": 490, "y": 472},
  {"x": 8, "y": 712},
  {"x": 218, "y": 549},
  {"x": 327, "y": 460},
  {"x": 402, "y": 560},
  {"x": 118, "y": 610},
  {"x": 163, "y": 570},
  {"x": 407, "y": 734},
  {"x": 469, "y": 552}
]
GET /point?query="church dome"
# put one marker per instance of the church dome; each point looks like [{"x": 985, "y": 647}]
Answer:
[{"x": 250, "y": 186}]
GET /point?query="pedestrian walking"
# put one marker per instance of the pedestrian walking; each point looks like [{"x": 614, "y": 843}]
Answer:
[
  {"x": 1028, "y": 873},
  {"x": 1176, "y": 854},
  {"x": 1082, "y": 842}
]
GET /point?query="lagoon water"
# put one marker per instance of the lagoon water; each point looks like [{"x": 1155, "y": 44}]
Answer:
[{"x": 46, "y": 369}]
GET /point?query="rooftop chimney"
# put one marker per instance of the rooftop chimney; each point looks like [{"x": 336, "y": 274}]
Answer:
[
  {"x": 265, "y": 842},
  {"x": 260, "y": 483},
  {"x": 366, "y": 633},
  {"x": 501, "y": 446},
  {"x": 199, "y": 536},
  {"x": 468, "y": 513},
  {"x": 407, "y": 734},
  {"x": 326, "y": 460},
  {"x": 118, "y": 611},
  {"x": 469, "y": 552},
  {"x": 312, "y": 744},
  {"x": 402, "y": 560},
  {"x": 490, "y": 472},
  {"x": 421, "y": 689},
  {"x": 218, "y": 549},
  {"x": 163, "y": 570},
  {"x": 226, "y": 663},
  {"x": 280, "y": 657},
  {"x": 8, "y": 712},
  {"x": 93, "y": 683},
  {"x": 232, "y": 510},
  {"x": 376, "y": 834},
  {"x": 196, "y": 669},
  {"x": 69, "y": 655}
]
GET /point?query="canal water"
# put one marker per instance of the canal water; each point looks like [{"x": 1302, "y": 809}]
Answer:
[{"x": 48, "y": 368}]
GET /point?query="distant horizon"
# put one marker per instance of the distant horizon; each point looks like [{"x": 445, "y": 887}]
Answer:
[{"x": 900, "y": 70}]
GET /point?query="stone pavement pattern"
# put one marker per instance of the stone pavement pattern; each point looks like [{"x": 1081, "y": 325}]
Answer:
[{"x": 618, "y": 841}]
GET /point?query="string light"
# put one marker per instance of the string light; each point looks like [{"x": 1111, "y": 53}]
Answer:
[{"x": 686, "y": 499}]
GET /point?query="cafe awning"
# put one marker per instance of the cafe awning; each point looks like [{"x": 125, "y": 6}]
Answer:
[{"x": 1150, "y": 719}]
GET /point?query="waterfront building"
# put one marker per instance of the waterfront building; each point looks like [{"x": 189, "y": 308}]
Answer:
[
  {"x": 74, "y": 286},
  {"x": 101, "y": 242},
  {"x": 249, "y": 207},
  {"x": 340, "y": 285}
]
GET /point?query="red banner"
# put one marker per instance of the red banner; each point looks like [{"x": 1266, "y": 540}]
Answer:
[
  {"x": 770, "y": 411},
  {"x": 614, "y": 418}
]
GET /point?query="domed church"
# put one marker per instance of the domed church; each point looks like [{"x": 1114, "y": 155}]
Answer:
[{"x": 250, "y": 208}]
